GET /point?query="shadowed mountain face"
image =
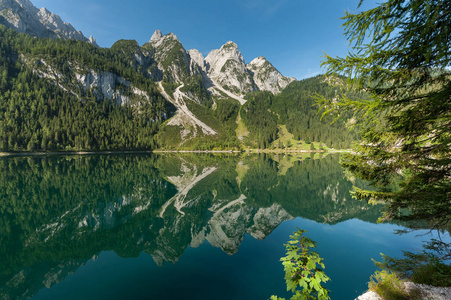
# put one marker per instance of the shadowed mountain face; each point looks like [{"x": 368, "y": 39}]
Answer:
[{"x": 56, "y": 213}]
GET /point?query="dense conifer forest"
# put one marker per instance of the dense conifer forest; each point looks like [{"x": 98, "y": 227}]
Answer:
[
  {"x": 34, "y": 114},
  {"x": 295, "y": 107},
  {"x": 54, "y": 112}
]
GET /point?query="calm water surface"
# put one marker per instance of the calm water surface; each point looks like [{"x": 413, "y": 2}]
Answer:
[{"x": 180, "y": 227}]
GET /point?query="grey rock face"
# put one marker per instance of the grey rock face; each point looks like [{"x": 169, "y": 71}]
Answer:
[
  {"x": 170, "y": 56},
  {"x": 156, "y": 36},
  {"x": 226, "y": 66},
  {"x": 105, "y": 84},
  {"x": 197, "y": 62},
  {"x": 23, "y": 16},
  {"x": 266, "y": 77}
]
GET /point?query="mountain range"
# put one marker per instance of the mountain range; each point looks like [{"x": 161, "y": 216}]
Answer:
[{"x": 173, "y": 98}]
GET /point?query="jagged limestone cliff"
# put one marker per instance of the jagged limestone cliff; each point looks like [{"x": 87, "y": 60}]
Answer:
[
  {"x": 23, "y": 16},
  {"x": 267, "y": 77},
  {"x": 170, "y": 56},
  {"x": 226, "y": 66}
]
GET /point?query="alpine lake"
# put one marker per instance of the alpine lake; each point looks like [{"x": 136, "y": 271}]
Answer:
[{"x": 182, "y": 226}]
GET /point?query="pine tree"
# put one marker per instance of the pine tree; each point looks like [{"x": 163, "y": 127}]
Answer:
[{"x": 401, "y": 57}]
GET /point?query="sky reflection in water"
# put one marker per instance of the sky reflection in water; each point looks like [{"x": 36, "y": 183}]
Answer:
[{"x": 169, "y": 227}]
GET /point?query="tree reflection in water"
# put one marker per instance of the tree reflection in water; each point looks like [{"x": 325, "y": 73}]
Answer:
[{"x": 58, "y": 212}]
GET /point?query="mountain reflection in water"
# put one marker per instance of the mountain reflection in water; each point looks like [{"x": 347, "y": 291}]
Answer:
[{"x": 58, "y": 212}]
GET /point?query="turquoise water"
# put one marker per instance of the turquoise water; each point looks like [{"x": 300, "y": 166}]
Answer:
[{"x": 180, "y": 227}]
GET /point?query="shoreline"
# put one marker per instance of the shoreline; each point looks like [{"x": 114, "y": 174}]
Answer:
[
  {"x": 197, "y": 151},
  {"x": 427, "y": 291},
  {"x": 5, "y": 154},
  {"x": 247, "y": 151},
  {"x": 255, "y": 151}
]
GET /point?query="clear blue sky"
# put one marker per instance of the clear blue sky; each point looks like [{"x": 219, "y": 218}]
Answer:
[{"x": 291, "y": 34}]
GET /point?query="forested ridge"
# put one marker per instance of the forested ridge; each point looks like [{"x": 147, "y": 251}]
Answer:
[
  {"x": 35, "y": 114},
  {"x": 45, "y": 106},
  {"x": 295, "y": 107}
]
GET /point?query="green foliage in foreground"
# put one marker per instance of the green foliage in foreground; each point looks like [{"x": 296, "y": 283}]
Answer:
[
  {"x": 426, "y": 267},
  {"x": 389, "y": 286},
  {"x": 303, "y": 269}
]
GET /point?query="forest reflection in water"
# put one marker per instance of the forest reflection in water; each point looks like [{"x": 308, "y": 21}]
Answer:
[{"x": 59, "y": 213}]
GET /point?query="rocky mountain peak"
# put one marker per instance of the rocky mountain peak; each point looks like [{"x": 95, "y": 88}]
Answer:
[
  {"x": 159, "y": 39},
  {"x": 23, "y": 16},
  {"x": 57, "y": 25},
  {"x": 156, "y": 36},
  {"x": 266, "y": 76},
  {"x": 92, "y": 40},
  {"x": 258, "y": 62},
  {"x": 228, "y": 50},
  {"x": 26, "y": 4},
  {"x": 44, "y": 10},
  {"x": 197, "y": 59},
  {"x": 226, "y": 66},
  {"x": 231, "y": 49},
  {"x": 229, "y": 45},
  {"x": 171, "y": 57}
]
